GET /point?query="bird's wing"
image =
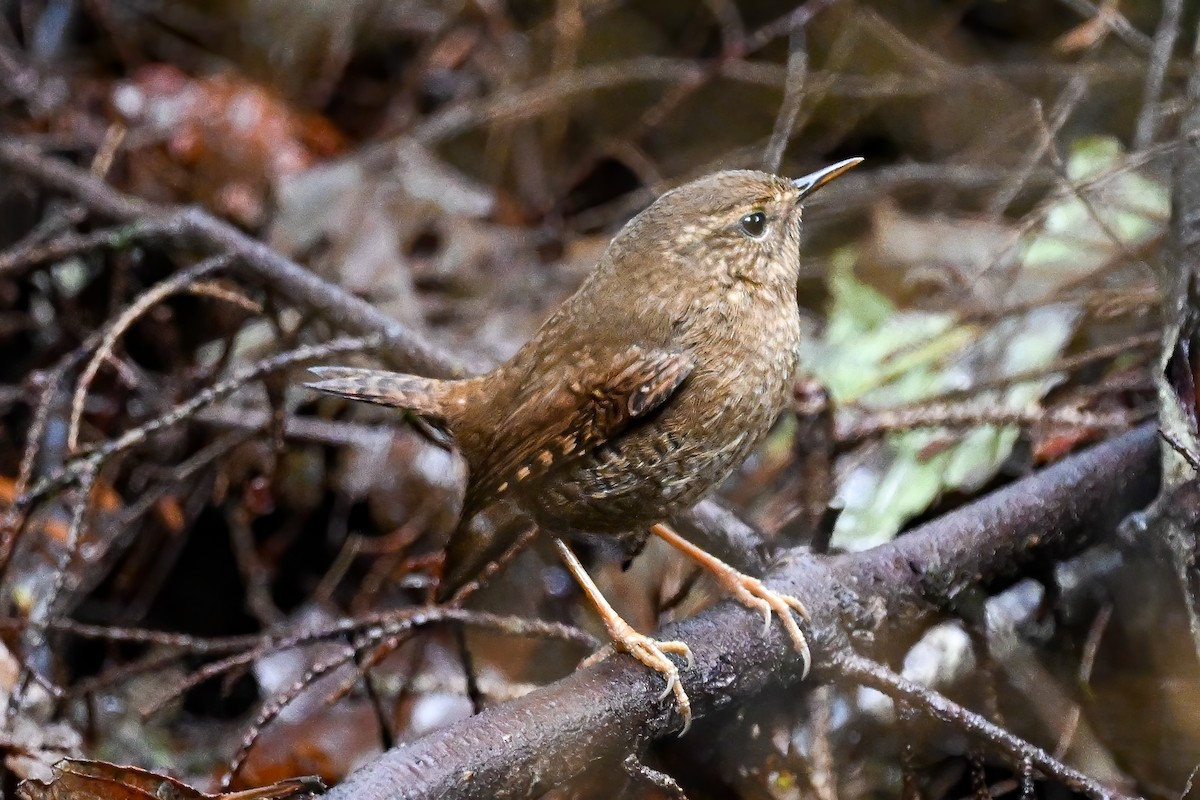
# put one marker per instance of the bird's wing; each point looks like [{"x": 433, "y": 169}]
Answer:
[{"x": 556, "y": 423}]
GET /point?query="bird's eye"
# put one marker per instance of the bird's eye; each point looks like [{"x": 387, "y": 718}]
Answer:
[{"x": 754, "y": 224}]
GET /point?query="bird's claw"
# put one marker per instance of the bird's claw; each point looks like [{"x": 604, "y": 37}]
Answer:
[
  {"x": 751, "y": 592},
  {"x": 654, "y": 654},
  {"x": 748, "y": 590}
]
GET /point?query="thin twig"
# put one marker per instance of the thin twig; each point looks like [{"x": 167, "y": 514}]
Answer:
[
  {"x": 1063, "y": 107},
  {"x": 793, "y": 94},
  {"x": 1091, "y": 646},
  {"x": 97, "y": 455},
  {"x": 46, "y": 607},
  {"x": 274, "y": 706},
  {"x": 959, "y": 416},
  {"x": 875, "y": 675},
  {"x": 369, "y": 628},
  {"x": 1156, "y": 72},
  {"x": 26, "y": 256},
  {"x": 372, "y": 636},
  {"x": 180, "y": 281}
]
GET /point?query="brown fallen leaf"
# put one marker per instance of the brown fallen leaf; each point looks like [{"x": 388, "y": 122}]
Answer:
[
  {"x": 1088, "y": 34},
  {"x": 227, "y": 139}
]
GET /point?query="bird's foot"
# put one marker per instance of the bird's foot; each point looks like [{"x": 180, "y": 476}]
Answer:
[
  {"x": 649, "y": 651},
  {"x": 653, "y": 653},
  {"x": 750, "y": 591},
  {"x": 747, "y": 590}
]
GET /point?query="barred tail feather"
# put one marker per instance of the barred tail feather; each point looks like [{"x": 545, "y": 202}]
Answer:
[{"x": 424, "y": 396}]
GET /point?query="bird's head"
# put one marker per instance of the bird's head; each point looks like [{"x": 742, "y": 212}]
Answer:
[{"x": 737, "y": 225}]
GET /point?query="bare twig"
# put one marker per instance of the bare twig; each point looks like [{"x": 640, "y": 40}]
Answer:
[
  {"x": 873, "y": 674},
  {"x": 660, "y": 780},
  {"x": 1160, "y": 58},
  {"x": 793, "y": 93},
  {"x": 275, "y": 705},
  {"x": 790, "y": 22},
  {"x": 1091, "y": 647},
  {"x": 1066, "y": 104},
  {"x": 93, "y": 457},
  {"x": 959, "y": 416},
  {"x": 369, "y": 629},
  {"x": 180, "y": 281},
  {"x": 28, "y": 255},
  {"x": 376, "y": 634},
  {"x": 47, "y": 607}
]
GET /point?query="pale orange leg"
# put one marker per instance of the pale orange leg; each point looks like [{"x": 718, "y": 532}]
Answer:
[
  {"x": 650, "y": 652},
  {"x": 748, "y": 590}
]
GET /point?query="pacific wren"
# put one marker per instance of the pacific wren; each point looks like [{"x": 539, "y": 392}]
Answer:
[{"x": 645, "y": 388}]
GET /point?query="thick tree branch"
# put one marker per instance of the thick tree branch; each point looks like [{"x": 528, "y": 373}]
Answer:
[
  {"x": 1173, "y": 520},
  {"x": 873, "y": 598}
]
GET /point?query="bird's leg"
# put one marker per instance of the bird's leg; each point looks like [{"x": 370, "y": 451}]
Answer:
[
  {"x": 650, "y": 652},
  {"x": 748, "y": 590}
]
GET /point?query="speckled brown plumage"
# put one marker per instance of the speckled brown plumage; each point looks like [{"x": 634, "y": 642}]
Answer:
[{"x": 651, "y": 383}]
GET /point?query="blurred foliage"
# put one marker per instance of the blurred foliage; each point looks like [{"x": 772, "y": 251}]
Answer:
[{"x": 876, "y": 356}]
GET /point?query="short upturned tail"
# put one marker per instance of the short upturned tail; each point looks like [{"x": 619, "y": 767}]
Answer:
[{"x": 425, "y": 396}]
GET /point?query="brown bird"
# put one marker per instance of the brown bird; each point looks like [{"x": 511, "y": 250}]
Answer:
[{"x": 642, "y": 392}]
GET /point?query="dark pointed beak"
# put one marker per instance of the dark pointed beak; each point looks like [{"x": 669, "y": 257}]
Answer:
[{"x": 815, "y": 180}]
